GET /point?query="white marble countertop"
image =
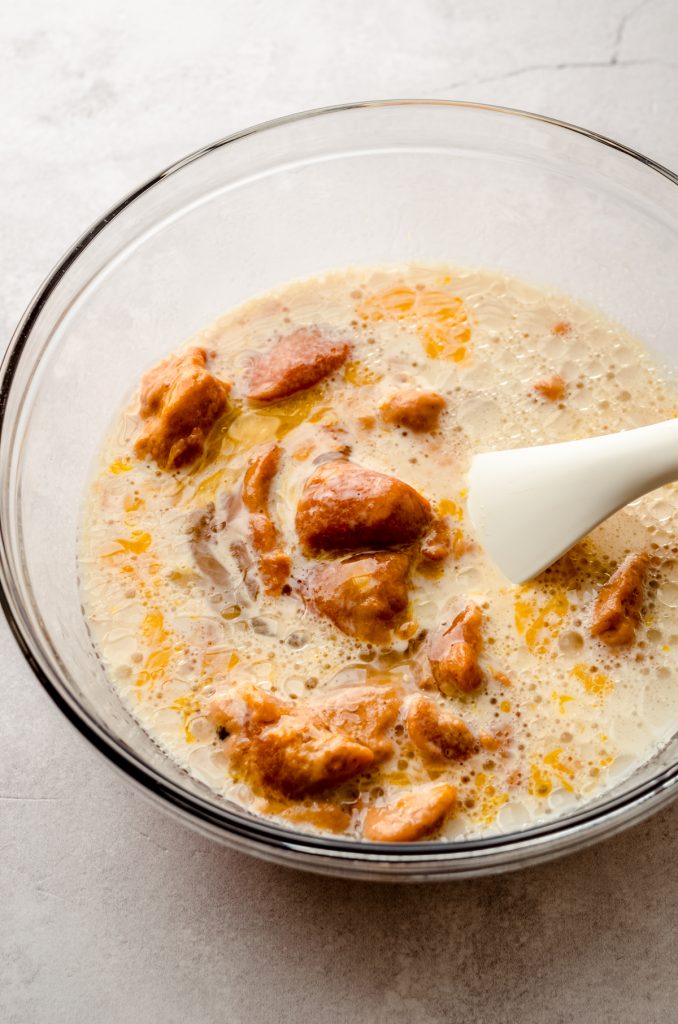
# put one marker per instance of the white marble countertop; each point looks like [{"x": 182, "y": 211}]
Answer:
[{"x": 112, "y": 912}]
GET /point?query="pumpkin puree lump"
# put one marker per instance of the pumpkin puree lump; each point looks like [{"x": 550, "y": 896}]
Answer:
[
  {"x": 274, "y": 564},
  {"x": 417, "y": 410},
  {"x": 284, "y": 587},
  {"x": 616, "y": 613},
  {"x": 365, "y": 596},
  {"x": 413, "y": 816},
  {"x": 295, "y": 362},
  {"x": 552, "y": 388},
  {"x": 438, "y": 735},
  {"x": 180, "y": 402},
  {"x": 453, "y": 654},
  {"x": 346, "y": 507},
  {"x": 437, "y": 542}
]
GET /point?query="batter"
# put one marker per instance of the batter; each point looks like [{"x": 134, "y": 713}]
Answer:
[{"x": 279, "y": 574}]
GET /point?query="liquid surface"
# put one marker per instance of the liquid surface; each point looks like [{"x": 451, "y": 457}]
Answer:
[{"x": 560, "y": 715}]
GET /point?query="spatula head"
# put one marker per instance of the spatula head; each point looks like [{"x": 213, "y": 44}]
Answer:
[{"x": 530, "y": 505}]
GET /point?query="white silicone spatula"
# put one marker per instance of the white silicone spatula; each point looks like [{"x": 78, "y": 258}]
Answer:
[{"x": 530, "y": 505}]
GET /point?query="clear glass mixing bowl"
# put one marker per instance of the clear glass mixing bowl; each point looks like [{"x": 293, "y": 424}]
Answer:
[{"x": 362, "y": 184}]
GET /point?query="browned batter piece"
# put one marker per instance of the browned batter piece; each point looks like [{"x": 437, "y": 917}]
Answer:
[
  {"x": 296, "y": 362},
  {"x": 439, "y": 736},
  {"x": 256, "y": 485},
  {"x": 365, "y": 714},
  {"x": 286, "y": 748},
  {"x": 299, "y": 755},
  {"x": 323, "y": 814},
  {"x": 414, "y": 816},
  {"x": 418, "y": 411},
  {"x": 616, "y": 612},
  {"x": 365, "y": 596},
  {"x": 437, "y": 542},
  {"x": 453, "y": 655},
  {"x": 552, "y": 388},
  {"x": 181, "y": 402},
  {"x": 246, "y": 709},
  {"x": 274, "y": 563},
  {"x": 344, "y": 507}
]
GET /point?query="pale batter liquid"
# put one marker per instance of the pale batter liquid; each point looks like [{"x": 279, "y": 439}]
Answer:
[{"x": 176, "y": 623}]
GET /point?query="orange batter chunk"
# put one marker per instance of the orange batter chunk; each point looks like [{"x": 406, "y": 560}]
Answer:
[
  {"x": 296, "y": 362},
  {"x": 437, "y": 542},
  {"x": 286, "y": 748},
  {"x": 180, "y": 403},
  {"x": 439, "y": 736},
  {"x": 453, "y": 655},
  {"x": 552, "y": 388},
  {"x": 274, "y": 563},
  {"x": 365, "y": 596},
  {"x": 364, "y": 713},
  {"x": 616, "y": 613},
  {"x": 346, "y": 507},
  {"x": 418, "y": 411},
  {"x": 413, "y": 816}
]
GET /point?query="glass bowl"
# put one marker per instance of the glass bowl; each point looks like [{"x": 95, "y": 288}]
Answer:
[{"x": 385, "y": 182}]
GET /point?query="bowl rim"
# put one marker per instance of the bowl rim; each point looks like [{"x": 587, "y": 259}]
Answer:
[{"x": 576, "y": 829}]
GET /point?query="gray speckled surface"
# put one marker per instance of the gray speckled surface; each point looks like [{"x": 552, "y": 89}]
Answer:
[{"x": 112, "y": 912}]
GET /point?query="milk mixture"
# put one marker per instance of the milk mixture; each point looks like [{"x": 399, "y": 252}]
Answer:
[{"x": 213, "y": 654}]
